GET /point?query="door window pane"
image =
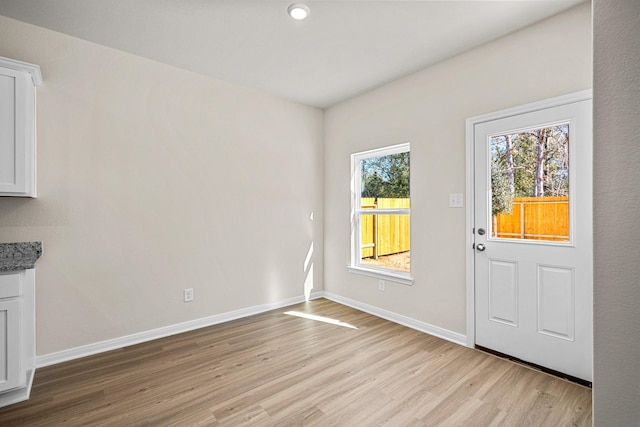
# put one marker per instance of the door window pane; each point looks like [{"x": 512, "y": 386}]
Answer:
[{"x": 530, "y": 184}]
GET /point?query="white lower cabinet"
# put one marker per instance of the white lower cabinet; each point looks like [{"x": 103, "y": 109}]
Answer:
[{"x": 17, "y": 335}]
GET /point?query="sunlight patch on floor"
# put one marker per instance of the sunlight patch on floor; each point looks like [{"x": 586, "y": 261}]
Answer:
[{"x": 320, "y": 319}]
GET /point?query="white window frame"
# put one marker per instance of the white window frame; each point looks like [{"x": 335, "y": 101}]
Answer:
[{"x": 356, "y": 265}]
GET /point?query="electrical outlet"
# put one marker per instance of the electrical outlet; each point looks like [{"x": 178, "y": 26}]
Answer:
[
  {"x": 381, "y": 285},
  {"x": 188, "y": 295}
]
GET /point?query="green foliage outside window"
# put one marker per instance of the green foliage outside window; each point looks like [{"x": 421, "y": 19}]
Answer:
[{"x": 386, "y": 176}]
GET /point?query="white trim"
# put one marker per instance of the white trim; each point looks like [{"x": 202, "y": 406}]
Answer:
[
  {"x": 470, "y": 126},
  {"x": 418, "y": 325},
  {"x": 34, "y": 70},
  {"x": 557, "y": 101},
  {"x": 385, "y": 211},
  {"x": 383, "y": 151},
  {"x": 140, "y": 337},
  {"x": 469, "y": 239},
  {"x": 384, "y": 274}
]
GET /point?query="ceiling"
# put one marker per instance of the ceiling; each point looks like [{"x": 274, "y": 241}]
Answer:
[{"x": 343, "y": 49}]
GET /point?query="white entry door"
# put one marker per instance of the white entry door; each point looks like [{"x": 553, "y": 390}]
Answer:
[{"x": 533, "y": 241}]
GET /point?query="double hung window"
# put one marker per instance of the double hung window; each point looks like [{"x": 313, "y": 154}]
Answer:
[{"x": 381, "y": 213}]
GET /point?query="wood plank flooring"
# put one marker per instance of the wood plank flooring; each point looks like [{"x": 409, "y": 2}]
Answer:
[{"x": 275, "y": 369}]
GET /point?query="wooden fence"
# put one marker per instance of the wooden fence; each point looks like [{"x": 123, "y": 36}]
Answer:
[
  {"x": 384, "y": 234},
  {"x": 535, "y": 218},
  {"x": 532, "y": 218}
]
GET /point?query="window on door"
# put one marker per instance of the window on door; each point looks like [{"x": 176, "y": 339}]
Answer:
[
  {"x": 381, "y": 213},
  {"x": 530, "y": 184}
]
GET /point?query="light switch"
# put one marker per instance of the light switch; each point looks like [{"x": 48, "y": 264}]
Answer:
[{"x": 456, "y": 200}]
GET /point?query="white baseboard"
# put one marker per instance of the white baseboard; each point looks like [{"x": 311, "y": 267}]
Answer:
[
  {"x": 398, "y": 318},
  {"x": 125, "y": 341},
  {"x": 140, "y": 337}
]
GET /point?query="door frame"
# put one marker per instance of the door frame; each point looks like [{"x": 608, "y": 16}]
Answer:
[{"x": 470, "y": 185}]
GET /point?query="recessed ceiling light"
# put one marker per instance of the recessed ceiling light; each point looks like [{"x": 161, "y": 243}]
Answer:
[{"x": 298, "y": 11}]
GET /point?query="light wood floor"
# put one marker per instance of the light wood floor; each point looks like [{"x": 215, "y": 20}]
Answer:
[{"x": 275, "y": 369}]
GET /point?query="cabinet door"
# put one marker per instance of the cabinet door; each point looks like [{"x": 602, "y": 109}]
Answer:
[
  {"x": 16, "y": 133},
  {"x": 9, "y": 344}
]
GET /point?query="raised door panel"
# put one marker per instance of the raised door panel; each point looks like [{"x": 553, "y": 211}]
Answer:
[
  {"x": 503, "y": 292},
  {"x": 9, "y": 168},
  {"x": 10, "y": 369},
  {"x": 556, "y": 301},
  {"x": 17, "y": 133}
]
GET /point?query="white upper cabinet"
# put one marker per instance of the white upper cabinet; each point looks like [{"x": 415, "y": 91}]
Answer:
[{"x": 18, "y": 127}]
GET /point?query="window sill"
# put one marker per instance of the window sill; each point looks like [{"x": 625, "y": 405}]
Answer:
[{"x": 384, "y": 275}]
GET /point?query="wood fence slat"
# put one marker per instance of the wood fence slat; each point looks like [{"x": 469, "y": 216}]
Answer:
[
  {"x": 535, "y": 218},
  {"x": 393, "y": 231}
]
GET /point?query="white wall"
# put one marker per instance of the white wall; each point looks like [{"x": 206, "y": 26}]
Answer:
[
  {"x": 152, "y": 179},
  {"x": 429, "y": 109},
  {"x": 616, "y": 206}
]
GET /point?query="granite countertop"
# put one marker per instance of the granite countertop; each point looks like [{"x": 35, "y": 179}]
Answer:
[{"x": 19, "y": 256}]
